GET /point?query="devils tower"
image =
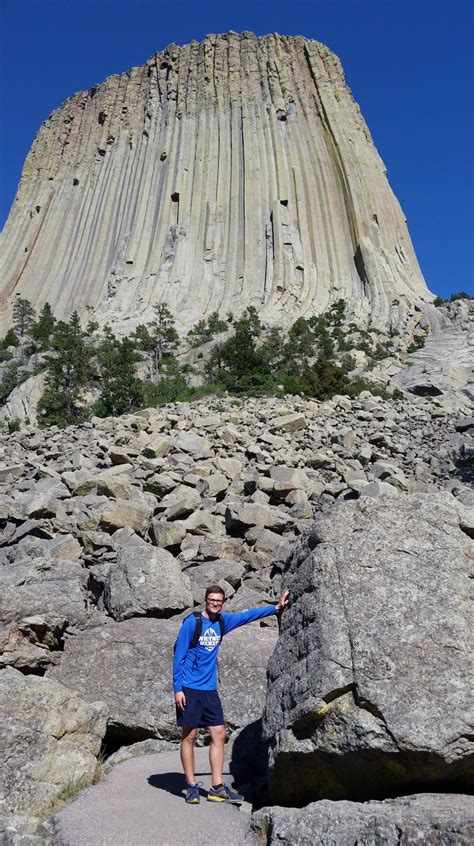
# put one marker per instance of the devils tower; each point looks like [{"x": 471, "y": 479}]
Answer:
[{"x": 232, "y": 172}]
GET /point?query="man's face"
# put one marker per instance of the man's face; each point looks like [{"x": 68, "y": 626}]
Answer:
[{"x": 214, "y": 603}]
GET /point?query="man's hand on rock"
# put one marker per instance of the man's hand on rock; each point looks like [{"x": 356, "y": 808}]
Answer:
[
  {"x": 283, "y": 602},
  {"x": 180, "y": 700}
]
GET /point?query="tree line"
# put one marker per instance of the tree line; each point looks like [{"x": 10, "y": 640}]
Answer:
[{"x": 91, "y": 371}]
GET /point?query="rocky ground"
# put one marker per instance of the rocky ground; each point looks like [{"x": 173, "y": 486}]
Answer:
[{"x": 112, "y": 530}]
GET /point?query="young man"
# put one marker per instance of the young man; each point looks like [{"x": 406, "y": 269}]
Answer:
[{"x": 195, "y": 686}]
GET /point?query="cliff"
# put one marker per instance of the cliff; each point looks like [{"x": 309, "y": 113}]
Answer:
[{"x": 220, "y": 174}]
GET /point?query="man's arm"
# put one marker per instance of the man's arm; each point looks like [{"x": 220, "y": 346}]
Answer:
[
  {"x": 233, "y": 621},
  {"x": 181, "y": 650}
]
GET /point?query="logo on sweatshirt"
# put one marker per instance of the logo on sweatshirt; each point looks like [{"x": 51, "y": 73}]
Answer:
[{"x": 209, "y": 640}]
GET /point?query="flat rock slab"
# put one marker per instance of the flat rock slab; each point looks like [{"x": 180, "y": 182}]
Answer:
[{"x": 141, "y": 802}]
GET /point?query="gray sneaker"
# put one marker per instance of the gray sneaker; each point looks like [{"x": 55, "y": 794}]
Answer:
[{"x": 224, "y": 794}]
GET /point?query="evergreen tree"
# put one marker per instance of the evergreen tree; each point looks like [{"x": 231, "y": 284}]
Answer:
[
  {"x": 10, "y": 379},
  {"x": 10, "y": 340},
  {"x": 42, "y": 329},
  {"x": 121, "y": 390},
  {"x": 324, "y": 380},
  {"x": 164, "y": 335},
  {"x": 299, "y": 346},
  {"x": 23, "y": 315},
  {"x": 68, "y": 374}
]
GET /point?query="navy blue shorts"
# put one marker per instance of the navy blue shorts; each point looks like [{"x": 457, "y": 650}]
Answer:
[{"x": 203, "y": 708}]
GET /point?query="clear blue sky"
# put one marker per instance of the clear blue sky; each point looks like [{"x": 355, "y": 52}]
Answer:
[{"x": 409, "y": 64}]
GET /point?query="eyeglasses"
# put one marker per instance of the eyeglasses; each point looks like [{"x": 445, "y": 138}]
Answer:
[{"x": 215, "y": 601}]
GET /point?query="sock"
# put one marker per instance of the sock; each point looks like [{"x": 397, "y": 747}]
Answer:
[
  {"x": 217, "y": 786},
  {"x": 192, "y": 783}
]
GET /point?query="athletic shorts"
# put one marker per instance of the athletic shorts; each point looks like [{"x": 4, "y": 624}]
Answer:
[{"x": 203, "y": 708}]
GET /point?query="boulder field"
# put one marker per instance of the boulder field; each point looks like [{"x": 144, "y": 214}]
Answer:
[{"x": 110, "y": 533}]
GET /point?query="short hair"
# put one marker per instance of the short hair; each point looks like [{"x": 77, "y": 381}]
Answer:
[{"x": 215, "y": 589}]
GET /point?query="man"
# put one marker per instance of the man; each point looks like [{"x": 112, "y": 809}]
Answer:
[{"x": 195, "y": 686}]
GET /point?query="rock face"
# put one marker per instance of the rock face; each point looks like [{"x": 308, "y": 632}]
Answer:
[
  {"x": 443, "y": 367},
  {"x": 50, "y": 739},
  {"x": 369, "y": 686},
  {"x": 220, "y": 174},
  {"x": 426, "y": 818}
]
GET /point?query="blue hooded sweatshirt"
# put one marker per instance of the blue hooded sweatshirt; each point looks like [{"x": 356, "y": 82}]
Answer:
[{"x": 197, "y": 668}]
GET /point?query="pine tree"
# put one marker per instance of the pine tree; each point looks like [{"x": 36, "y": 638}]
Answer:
[
  {"x": 68, "y": 374},
  {"x": 122, "y": 391},
  {"x": 23, "y": 315},
  {"x": 164, "y": 335},
  {"x": 10, "y": 379},
  {"x": 42, "y": 329}
]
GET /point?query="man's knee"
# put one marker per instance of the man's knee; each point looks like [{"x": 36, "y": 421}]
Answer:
[
  {"x": 189, "y": 736},
  {"x": 218, "y": 734}
]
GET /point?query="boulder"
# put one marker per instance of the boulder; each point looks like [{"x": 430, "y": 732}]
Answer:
[
  {"x": 39, "y": 577},
  {"x": 215, "y": 572},
  {"x": 146, "y": 581},
  {"x": 369, "y": 687},
  {"x": 50, "y": 737},
  {"x": 128, "y": 665},
  {"x": 288, "y": 423},
  {"x": 239, "y": 518},
  {"x": 180, "y": 503},
  {"x": 426, "y": 818},
  {"x": 166, "y": 534},
  {"x": 121, "y": 513}
]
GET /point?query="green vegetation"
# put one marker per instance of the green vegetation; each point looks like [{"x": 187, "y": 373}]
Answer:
[
  {"x": 23, "y": 315},
  {"x": 91, "y": 371}
]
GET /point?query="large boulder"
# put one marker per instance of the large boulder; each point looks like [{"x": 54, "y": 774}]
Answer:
[
  {"x": 128, "y": 665},
  {"x": 146, "y": 580},
  {"x": 370, "y": 684},
  {"x": 50, "y": 739},
  {"x": 44, "y": 588},
  {"x": 444, "y": 820}
]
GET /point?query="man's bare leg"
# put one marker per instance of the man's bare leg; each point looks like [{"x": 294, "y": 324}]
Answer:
[
  {"x": 216, "y": 753},
  {"x": 187, "y": 753}
]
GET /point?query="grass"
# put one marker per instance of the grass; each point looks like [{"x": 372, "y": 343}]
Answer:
[{"x": 72, "y": 788}]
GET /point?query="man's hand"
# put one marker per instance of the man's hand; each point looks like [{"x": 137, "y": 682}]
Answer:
[
  {"x": 283, "y": 602},
  {"x": 180, "y": 700}
]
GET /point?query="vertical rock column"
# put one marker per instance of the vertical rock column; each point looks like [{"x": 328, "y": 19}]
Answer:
[{"x": 225, "y": 173}]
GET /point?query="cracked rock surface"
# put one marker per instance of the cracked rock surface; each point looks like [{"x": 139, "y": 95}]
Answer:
[
  {"x": 424, "y": 819},
  {"x": 369, "y": 686}
]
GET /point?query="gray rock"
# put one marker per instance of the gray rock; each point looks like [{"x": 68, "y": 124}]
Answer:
[
  {"x": 214, "y": 572},
  {"x": 240, "y": 517},
  {"x": 426, "y": 818},
  {"x": 128, "y": 666},
  {"x": 143, "y": 747},
  {"x": 145, "y": 581},
  {"x": 166, "y": 534},
  {"x": 40, "y": 577},
  {"x": 121, "y": 513},
  {"x": 369, "y": 685},
  {"x": 288, "y": 423},
  {"x": 50, "y": 739}
]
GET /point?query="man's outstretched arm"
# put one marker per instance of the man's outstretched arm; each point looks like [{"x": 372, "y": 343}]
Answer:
[{"x": 234, "y": 620}]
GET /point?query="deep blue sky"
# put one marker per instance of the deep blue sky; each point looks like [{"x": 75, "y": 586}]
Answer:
[{"x": 409, "y": 64}]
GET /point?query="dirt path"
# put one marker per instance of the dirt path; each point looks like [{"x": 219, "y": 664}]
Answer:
[{"x": 140, "y": 803}]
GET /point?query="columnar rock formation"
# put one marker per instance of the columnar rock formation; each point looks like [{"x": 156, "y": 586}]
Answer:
[{"x": 220, "y": 174}]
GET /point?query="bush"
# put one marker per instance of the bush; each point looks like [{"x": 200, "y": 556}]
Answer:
[{"x": 14, "y": 425}]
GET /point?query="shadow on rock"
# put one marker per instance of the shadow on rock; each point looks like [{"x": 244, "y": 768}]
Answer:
[{"x": 248, "y": 763}]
